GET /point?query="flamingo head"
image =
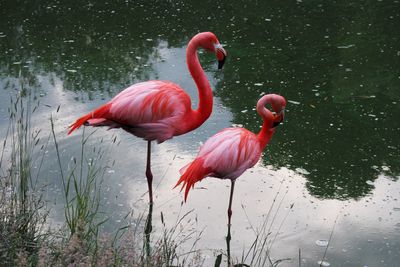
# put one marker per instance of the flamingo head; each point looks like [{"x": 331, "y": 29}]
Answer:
[
  {"x": 278, "y": 104},
  {"x": 221, "y": 55},
  {"x": 210, "y": 42}
]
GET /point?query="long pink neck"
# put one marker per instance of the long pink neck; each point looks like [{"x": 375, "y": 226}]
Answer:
[
  {"x": 265, "y": 135},
  {"x": 203, "y": 86}
]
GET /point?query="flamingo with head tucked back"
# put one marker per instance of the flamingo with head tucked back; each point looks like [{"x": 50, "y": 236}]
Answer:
[
  {"x": 159, "y": 110},
  {"x": 230, "y": 152}
]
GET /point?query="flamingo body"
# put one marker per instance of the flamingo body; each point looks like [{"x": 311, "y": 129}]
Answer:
[
  {"x": 153, "y": 110},
  {"x": 230, "y": 152},
  {"x": 226, "y": 155}
]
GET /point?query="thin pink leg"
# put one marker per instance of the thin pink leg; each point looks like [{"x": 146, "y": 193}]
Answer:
[{"x": 149, "y": 175}]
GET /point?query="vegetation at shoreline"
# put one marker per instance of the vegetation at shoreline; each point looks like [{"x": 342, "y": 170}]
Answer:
[{"x": 27, "y": 239}]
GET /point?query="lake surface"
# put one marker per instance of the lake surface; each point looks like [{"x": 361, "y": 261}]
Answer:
[{"x": 336, "y": 158}]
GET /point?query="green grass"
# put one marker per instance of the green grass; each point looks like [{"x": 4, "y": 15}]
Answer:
[{"x": 22, "y": 216}]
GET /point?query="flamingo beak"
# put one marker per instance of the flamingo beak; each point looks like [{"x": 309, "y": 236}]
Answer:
[
  {"x": 221, "y": 63},
  {"x": 279, "y": 118},
  {"x": 221, "y": 55}
]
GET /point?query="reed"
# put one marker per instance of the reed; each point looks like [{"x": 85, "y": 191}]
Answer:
[
  {"x": 22, "y": 212},
  {"x": 259, "y": 253}
]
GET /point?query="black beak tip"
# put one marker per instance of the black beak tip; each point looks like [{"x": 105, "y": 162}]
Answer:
[
  {"x": 276, "y": 123},
  {"x": 221, "y": 63}
]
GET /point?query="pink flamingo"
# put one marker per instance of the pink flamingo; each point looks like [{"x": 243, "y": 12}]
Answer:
[
  {"x": 159, "y": 110},
  {"x": 230, "y": 152}
]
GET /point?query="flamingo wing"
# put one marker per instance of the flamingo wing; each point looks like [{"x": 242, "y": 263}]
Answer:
[
  {"x": 225, "y": 155},
  {"x": 149, "y": 102},
  {"x": 152, "y": 110}
]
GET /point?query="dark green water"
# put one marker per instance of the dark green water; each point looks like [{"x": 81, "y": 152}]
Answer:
[{"x": 336, "y": 62}]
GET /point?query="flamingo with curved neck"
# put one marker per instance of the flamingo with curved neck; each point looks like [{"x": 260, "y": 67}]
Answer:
[
  {"x": 230, "y": 152},
  {"x": 160, "y": 110}
]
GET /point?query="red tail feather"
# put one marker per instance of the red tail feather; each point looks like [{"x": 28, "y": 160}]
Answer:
[
  {"x": 193, "y": 173},
  {"x": 98, "y": 113}
]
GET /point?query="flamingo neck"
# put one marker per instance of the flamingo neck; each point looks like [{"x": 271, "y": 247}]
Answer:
[
  {"x": 265, "y": 135},
  {"x": 203, "y": 86},
  {"x": 267, "y": 130}
]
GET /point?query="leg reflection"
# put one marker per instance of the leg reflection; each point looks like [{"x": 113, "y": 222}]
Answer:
[
  {"x": 228, "y": 244},
  {"x": 147, "y": 231},
  {"x": 228, "y": 237}
]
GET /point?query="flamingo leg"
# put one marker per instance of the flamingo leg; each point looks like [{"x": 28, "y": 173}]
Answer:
[
  {"x": 149, "y": 175},
  {"x": 230, "y": 202}
]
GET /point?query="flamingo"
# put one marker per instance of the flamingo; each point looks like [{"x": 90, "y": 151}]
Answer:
[
  {"x": 160, "y": 110},
  {"x": 230, "y": 152}
]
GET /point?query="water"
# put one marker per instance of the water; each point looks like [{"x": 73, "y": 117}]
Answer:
[{"x": 336, "y": 157}]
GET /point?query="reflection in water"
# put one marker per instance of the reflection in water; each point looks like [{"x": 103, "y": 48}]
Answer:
[
  {"x": 147, "y": 232},
  {"x": 228, "y": 236},
  {"x": 228, "y": 244},
  {"x": 339, "y": 71},
  {"x": 338, "y": 67}
]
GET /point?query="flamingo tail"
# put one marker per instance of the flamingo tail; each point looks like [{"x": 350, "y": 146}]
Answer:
[
  {"x": 193, "y": 173},
  {"x": 97, "y": 113}
]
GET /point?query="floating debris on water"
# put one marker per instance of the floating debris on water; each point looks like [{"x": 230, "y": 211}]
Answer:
[
  {"x": 294, "y": 102},
  {"x": 323, "y": 263},
  {"x": 364, "y": 96},
  {"x": 302, "y": 171},
  {"x": 385, "y": 168},
  {"x": 346, "y": 46},
  {"x": 322, "y": 242}
]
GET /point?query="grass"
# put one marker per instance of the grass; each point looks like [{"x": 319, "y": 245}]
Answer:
[{"x": 21, "y": 207}]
